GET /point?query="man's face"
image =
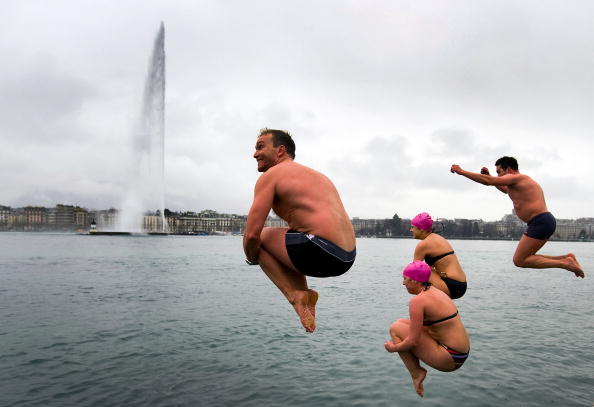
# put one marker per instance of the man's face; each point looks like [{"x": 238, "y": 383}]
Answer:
[
  {"x": 265, "y": 154},
  {"x": 500, "y": 171}
]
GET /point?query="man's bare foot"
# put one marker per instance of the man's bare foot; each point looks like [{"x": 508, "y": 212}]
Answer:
[
  {"x": 312, "y": 300},
  {"x": 577, "y": 262},
  {"x": 573, "y": 257},
  {"x": 418, "y": 381},
  {"x": 300, "y": 302},
  {"x": 574, "y": 266}
]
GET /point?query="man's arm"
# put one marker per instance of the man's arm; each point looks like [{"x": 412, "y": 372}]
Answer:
[
  {"x": 502, "y": 188},
  {"x": 263, "y": 198},
  {"x": 486, "y": 179}
]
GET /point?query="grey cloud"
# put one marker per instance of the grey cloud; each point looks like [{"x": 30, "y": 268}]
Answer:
[
  {"x": 42, "y": 104},
  {"x": 465, "y": 82}
]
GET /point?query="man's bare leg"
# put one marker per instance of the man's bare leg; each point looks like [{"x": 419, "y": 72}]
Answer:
[
  {"x": 525, "y": 256},
  {"x": 293, "y": 286},
  {"x": 562, "y": 257},
  {"x": 275, "y": 262},
  {"x": 398, "y": 331}
]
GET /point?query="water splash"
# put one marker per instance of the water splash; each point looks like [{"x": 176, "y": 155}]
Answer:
[{"x": 146, "y": 192}]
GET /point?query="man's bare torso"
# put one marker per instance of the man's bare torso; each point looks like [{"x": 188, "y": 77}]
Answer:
[
  {"x": 527, "y": 197},
  {"x": 308, "y": 201}
]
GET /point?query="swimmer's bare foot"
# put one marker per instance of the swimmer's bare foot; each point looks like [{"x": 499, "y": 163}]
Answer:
[
  {"x": 418, "y": 381},
  {"x": 390, "y": 346},
  {"x": 312, "y": 300},
  {"x": 574, "y": 266},
  {"x": 300, "y": 302},
  {"x": 573, "y": 257},
  {"x": 578, "y": 264}
]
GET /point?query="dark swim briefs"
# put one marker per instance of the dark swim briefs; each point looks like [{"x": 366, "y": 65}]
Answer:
[
  {"x": 458, "y": 357},
  {"x": 541, "y": 226},
  {"x": 317, "y": 257},
  {"x": 456, "y": 288}
]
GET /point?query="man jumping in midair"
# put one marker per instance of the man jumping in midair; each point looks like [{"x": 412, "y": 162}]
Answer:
[{"x": 529, "y": 205}]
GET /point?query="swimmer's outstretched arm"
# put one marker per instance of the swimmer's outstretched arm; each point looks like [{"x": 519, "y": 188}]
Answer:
[
  {"x": 502, "y": 188},
  {"x": 500, "y": 183}
]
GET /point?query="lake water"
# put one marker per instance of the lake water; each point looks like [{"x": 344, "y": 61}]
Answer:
[{"x": 182, "y": 321}]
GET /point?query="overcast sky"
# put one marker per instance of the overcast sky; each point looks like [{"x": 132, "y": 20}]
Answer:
[{"x": 381, "y": 96}]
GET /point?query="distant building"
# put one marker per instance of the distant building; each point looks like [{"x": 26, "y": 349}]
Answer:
[
  {"x": 152, "y": 223},
  {"x": 372, "y": 227},
  {"x": 104, "y": 219},
  {"x": 70, "y": 218},
  {"x": 81, "y": 218},
  {"x": 569, "y": 229},
  {"x": 274, "y": 222},
  {"x": 34, "y": 218},
  {"x": 5, "y": 212},
  {"x": 208, "y": 222}
]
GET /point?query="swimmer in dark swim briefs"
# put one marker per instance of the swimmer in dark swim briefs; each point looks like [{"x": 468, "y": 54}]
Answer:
[
  {"x": 529, "y": 205},
  {"x": 309, "y": 202}
]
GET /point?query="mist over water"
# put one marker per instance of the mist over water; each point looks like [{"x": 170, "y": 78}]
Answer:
[{"x": 146, "y": 189}]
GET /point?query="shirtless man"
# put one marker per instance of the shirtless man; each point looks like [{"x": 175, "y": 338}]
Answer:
[
  {"x": 320, "y": 240},
  {"x": 529, "y": 205}
]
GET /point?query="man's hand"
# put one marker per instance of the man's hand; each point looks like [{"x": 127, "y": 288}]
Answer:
[
  {"x": 485, "y": 171},
  {"x": 455, "y": 169}
]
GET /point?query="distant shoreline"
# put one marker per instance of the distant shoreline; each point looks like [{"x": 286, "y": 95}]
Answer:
[{"x": 237, "y": 234}]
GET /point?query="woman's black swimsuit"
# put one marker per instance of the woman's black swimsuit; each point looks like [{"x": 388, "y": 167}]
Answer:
[
  {"x": 456, "y": 288},
  {"x": 429, "y": 323},
  {"x": 431, "y": 260}
]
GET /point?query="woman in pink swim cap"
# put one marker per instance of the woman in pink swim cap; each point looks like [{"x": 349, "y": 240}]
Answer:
[
  {"x": 447, "y": 273},
  {"x": 434, "y": 333}
]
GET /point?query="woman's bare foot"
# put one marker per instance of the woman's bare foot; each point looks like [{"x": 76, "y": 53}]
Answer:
[
  {"x": 390, "y": 346},
  {"x": 418, "y": 381},
  {"x": 301, "y": 304},
  {"x": 312, "y": 300}
]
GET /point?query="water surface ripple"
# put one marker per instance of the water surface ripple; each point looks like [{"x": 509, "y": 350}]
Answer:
[{"x": 182, "y": 321}]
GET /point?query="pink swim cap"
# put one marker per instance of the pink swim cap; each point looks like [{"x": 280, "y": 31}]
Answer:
[
  {"x": 418, "y": 270},
  {"x": 422, "y": 221}
]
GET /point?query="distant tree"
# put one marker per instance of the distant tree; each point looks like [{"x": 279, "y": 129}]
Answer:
[{"x": 396, "y": 225}]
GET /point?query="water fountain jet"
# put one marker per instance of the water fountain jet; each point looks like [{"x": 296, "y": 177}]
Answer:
[{"x": 146, "y": 190}]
